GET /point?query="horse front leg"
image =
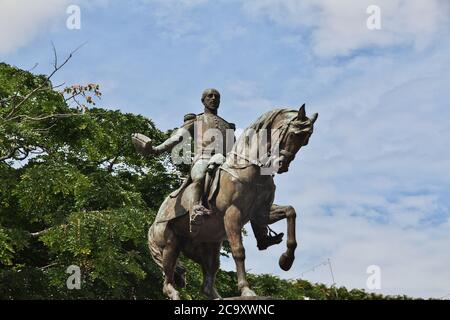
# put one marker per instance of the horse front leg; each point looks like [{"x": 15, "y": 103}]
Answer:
[
  {"x": 233, "y": 228},
  {"x": 280, "y": 212}
]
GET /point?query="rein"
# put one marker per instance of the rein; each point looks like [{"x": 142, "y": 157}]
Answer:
[
  {"x": 280, "y": 139},
  {"x": 231, "y": 169}
]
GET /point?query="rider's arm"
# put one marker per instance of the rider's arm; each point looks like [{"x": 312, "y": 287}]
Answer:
[{"x": 177, "y": 137}]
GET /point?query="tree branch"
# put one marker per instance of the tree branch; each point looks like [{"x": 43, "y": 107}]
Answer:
[
  {"x": 111, "y": 164},
  {"x": 24, "y": 154},
  {"x": 9, "y": 155},
  {"x": 39, "y": 233},
  {"x": 49, "y": 265},
  {"x": 58, "y": 86},
  {"x": 33, "y": 67},
  {"x": 56, "y": 68},
  {"x": 21, "y": 152},
  {"x": 56, "y": 115},
  {"x": 42, "y": 232}
]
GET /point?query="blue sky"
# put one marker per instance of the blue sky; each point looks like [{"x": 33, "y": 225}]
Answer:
[{"x": 372, "y": 186}]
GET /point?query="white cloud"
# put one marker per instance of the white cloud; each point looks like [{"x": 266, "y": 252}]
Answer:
[
  {"x": 339, "y": 27},
  {"x": 246, "y": 95},
  {"x": 193, "y": 22},
  {"x": 174, "y": 17},
  {"x": 21, "y": 20}
]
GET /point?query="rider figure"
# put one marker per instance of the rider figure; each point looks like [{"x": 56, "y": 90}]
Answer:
[{"x": 212, "y": 135}]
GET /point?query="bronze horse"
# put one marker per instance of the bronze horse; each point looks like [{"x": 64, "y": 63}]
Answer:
[{"x": 243, "y": 193}]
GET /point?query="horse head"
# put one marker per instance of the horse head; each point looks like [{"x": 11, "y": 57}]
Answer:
[{"x": 295, "y": 133}]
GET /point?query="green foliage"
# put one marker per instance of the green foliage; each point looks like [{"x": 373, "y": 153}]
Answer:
[
  {"x": 6, "y": 249},
  {"x": 74, "y": 192},
  {"x": 19, "y": 132},
  {"x": 269, "y": 285}
]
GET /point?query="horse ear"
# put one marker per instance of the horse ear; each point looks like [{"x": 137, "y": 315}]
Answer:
[
  {"x": 301, "y": 113},
  {"x": 314, "y": 117}
]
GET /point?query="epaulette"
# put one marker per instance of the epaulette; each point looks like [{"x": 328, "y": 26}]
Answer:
[
  {"x": 189, "y": 117},
  {"x": 232, "y": 125}
]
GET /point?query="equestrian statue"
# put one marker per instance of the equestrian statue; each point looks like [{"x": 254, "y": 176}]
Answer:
[{"x": 230, "y": 184}]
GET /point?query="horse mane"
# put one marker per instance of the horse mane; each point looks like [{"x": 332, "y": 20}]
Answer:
[
  {"x": 265, "y": 122},
  {"x": 266, "y": 119}
]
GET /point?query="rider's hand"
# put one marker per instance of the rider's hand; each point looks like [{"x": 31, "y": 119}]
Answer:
[{"x": 142, "y": 144}]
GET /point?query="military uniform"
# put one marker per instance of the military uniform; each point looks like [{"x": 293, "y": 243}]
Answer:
[{"x": 212, "y": 135}]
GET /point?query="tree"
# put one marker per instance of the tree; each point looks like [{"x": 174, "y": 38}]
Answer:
[{"x": 74, "y": 192}]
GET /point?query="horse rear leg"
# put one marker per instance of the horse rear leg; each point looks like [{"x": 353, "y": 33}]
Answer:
[
  {"x": 233, "y": 228},
  {"x": 207, "y": 255},
  {"x": 171, "y": 252},
  {"x": 280, "y": 212}
]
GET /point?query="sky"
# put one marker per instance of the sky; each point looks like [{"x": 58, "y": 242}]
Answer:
[{"x": 372, "y": 188}]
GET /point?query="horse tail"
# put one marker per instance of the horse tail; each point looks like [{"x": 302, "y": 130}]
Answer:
[{"x": 156, "y": 252}]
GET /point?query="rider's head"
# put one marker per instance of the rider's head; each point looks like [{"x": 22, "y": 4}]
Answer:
[{"x": 211, "y": 99}]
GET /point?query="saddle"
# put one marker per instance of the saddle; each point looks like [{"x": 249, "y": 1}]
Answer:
[{"x": 211, "y": 179}]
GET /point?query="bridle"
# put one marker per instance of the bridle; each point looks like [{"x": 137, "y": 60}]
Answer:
[{"x": 267, "y": 161}]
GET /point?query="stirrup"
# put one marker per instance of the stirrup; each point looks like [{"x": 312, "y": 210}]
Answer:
[
  {"x": 200, "y": 209},
  {"x": 269, "y": 240},
  {"x": 197, "y": 218}
]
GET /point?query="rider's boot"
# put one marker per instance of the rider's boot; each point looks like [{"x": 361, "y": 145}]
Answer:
[
  {"x": 266, "y": 237},
  {"x": 198, "y": 211}
]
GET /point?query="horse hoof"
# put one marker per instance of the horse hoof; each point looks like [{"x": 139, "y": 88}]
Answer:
[
  {"x": 175, "y": 297},
  {"x": 286, "y": 261},
  {"x": 211, "y": 294},
  {"x": 247, "y": 292},
  {"x": 170, "y": 292}
]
